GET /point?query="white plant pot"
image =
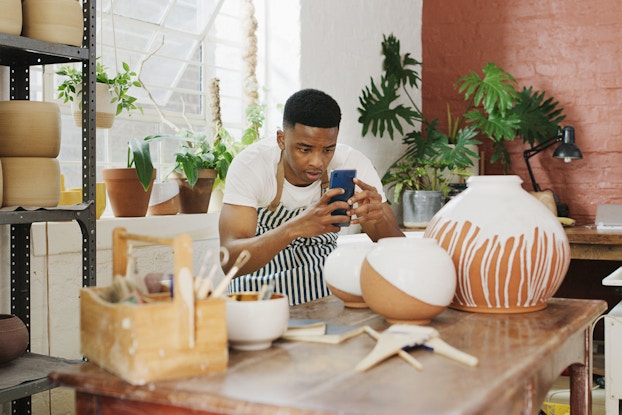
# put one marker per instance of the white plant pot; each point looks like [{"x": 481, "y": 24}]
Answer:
[{"x": 105, "y": 109}]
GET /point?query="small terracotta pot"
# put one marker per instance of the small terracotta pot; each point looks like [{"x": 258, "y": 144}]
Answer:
[
  {"x": 126, "y": 194},
  {"x": 56, "y": 21},
  {"x": 196, "y": 199},
  {"x": 30, "y": 181},
  {"x": 11, "y": 17},
  {"x": 13, "y": 337},
  {"x": 21, "y": 137},
  {"x": 106, "y": 111}
]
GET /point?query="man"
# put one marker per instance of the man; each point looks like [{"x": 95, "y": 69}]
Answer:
[{"x": 276, "y": 202}]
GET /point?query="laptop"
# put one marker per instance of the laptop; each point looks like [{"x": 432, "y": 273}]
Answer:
[{"x": 609, "y": 217}]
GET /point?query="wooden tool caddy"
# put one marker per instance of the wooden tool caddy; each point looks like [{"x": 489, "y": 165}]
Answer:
[{"x": 157, "y": 340}]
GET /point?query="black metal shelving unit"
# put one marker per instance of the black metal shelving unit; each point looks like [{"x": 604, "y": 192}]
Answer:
[{"x": 19, "y": 54}]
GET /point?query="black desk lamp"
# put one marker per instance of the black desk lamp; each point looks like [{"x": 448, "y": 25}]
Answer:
[{"x": 567, "y": 150}]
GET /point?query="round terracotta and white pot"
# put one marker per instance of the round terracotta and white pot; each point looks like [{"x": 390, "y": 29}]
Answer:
[
  {"x": 56, "y": 21},
  {"x": 11, "y": 17},
  {"x": 30, "y": 181},
  {"x": 13, "y": 337},
  {"x": 511, "y": 253},
  {"x": 342, "y": 272},
  {"x": 408, "y": 280},
  {"x": 105, "y": 112},
  {"x": 29, "y": 129},
  {"x": 164, "y": 199}
]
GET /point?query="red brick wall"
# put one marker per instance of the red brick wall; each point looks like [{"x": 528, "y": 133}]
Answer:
[{"x": 571, "y": 49}]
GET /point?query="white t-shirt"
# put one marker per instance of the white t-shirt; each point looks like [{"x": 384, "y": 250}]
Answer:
[{"x": 251, "y": 179}]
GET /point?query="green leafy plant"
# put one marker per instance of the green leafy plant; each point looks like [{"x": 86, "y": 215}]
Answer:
[
  {"x": 494, "y": 110},
  {"x": 119, "y": 85},
  {"x": 139, "y": 157},
  {"x": 501, "y": 113},
  {"x": 197, "y": 152},
  {"x": 429, "y": 159}
]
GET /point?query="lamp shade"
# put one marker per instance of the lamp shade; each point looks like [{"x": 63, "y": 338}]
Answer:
[{"x": 568, "y": 150}]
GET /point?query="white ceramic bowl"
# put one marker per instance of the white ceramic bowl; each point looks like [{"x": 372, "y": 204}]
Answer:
[
  {"x": 342, "y": 272},
  {"x": 254, "y": 325}
]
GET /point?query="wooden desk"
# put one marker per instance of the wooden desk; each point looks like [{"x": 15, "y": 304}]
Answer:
[
  {"x": 520, "y": 357},
  {"x": 588, "y": 243}
]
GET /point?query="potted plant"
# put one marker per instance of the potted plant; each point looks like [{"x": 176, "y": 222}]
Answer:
[
  {"x": 199, "y": 164},
  {"x": 430, "y": 159},
  {"x": 112, "y": 93},
  {"x": 501, "y": 113},
  {"x": 495, "y": 110},
  {"x": 129, "y": 188}
]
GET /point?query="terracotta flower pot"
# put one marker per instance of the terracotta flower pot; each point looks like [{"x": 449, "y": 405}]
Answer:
[
  {"x": 21, "y": 137},
  {"x": 196, "y": 199},
  {"x": 127, "y": 196},
  {"x": 56, "y": 21},
  {"x": 511, "y": 253},
  {"x": 106, "y": 111},
  {"x": 11, "y": 17},
  {"x": 30, "y": 181},
  {"x": 13, "y": 337}
]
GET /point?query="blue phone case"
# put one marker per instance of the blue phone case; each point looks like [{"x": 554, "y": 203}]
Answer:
[{"x": 344, "y": 180}]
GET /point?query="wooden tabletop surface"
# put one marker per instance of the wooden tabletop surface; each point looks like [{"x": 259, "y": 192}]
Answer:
[
  {"x": 586, "y": 242},
  {"x": 520, "y": 355}
]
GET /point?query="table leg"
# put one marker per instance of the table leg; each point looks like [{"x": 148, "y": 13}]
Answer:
[{"x": 581, "y": 382}]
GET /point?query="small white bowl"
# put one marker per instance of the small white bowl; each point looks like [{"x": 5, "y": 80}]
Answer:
[{"x": 254, "y": 325}]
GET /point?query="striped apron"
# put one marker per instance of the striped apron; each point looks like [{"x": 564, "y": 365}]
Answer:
[{"x": 296, "y": 270}]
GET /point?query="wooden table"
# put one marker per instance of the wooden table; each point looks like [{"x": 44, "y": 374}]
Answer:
[
  {"x": 520, "y": 356},
  {"x": 588, "y": 243}
]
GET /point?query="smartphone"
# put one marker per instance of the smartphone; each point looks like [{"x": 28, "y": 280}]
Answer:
[{"x": 345, "y": 180}]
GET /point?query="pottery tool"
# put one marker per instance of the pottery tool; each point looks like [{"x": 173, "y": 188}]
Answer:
[
  {"x": 186, "y": 291},
  {"x": 266, "y": 291},
  {"x": 401, "y": 353},
  {"x": 200, "y": 276},
  {"x": 440, "y": 347},
  {"x": 239, "y": 263},
  {"x": 206, "y": 284},
  {"x": 392, "y": 340},
  {"x": 399, "y": 337}
]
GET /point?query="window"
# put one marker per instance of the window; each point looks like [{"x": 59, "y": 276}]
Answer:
[{"x": 178, "y": 46}]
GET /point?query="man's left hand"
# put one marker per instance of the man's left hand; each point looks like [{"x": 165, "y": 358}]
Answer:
[{"x": 368, "y": 204}]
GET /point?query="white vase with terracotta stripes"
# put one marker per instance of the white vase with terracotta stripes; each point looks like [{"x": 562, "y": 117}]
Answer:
[{"x": 511, "y": 253}]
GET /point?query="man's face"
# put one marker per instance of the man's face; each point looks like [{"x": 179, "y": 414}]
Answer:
[{"x": 307, "y": 152}]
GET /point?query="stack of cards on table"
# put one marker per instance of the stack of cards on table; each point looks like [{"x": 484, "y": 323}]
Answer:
[{"x": 310, "y": 330}]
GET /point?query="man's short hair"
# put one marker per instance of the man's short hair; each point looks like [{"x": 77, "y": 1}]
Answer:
[{"x": 312, "y": 108}]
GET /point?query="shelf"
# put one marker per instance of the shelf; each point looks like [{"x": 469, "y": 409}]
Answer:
[
  {"x": 28, "y": 375},
  {"x": 79, "y": 211},
  {"x": 23, "y": 51}
]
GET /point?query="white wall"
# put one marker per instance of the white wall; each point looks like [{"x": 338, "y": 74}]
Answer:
[{"x": 340, "y": 43}]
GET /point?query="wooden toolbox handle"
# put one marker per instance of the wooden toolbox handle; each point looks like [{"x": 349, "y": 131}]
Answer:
[{"x": 182, "y": 251}]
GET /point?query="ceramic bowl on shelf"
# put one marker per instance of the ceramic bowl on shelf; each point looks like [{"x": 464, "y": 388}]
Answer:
[
  {"x": 408, "y": 280},
  {"x": 21, "y": 137},
  {"x": 13, "y": 337},
  {"x": 254, "y": 325},
  {"x": 342, "y": 272},
  {"x": 164, "y": 199}
]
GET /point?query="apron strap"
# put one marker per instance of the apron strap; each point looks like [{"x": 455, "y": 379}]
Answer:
[{"x": 280, "y": 177}]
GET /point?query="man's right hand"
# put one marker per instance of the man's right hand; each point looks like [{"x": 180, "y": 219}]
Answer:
[{"x": 317, "y": 219}]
